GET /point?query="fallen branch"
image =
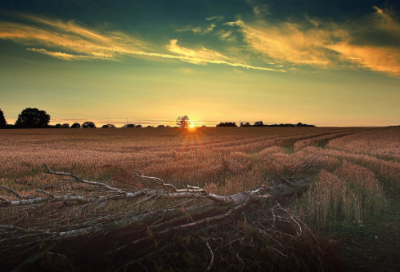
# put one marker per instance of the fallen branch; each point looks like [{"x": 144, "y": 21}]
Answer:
[{"x": 149, "y": 219}]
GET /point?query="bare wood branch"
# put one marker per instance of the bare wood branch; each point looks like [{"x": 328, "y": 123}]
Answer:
[
  {"x": 212, "y": 255},
  {"x": 94, "y": 183},
  {"x": 11, "y": 191}
]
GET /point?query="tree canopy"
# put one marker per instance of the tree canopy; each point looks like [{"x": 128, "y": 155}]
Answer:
[
  {"x": 3, "y": 121},
  {"x": 227, "y": 124},
  {"x": 32, "y": 118},
  {"x": 88, "y": 124},
  {"x": 183, "y": 121},
  {"x": 76, "y": 125}
]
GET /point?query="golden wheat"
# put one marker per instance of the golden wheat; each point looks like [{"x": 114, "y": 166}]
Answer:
[{"x": 223, "y": 160}]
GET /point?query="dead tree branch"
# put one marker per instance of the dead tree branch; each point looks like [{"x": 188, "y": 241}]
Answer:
[{"x": 153, "y": 220}]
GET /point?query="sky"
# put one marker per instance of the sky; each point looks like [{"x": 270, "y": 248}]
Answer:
[{"x": 327, "y": 63}]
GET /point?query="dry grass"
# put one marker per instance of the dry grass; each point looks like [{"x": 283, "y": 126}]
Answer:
[
  {"x": 383, "y": 143},
  {"x": 349, "y": 186}
]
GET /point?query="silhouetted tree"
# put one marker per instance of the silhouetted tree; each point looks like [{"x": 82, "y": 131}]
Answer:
[
  {"x": 245, "y": 124},
  {"x": 303, "y": 125},
  {"x": 183, "y": 121},
  {"x": 65, "y": 125},
  {"x": 104, "y": 126},
  {"x": 139, "y": 126},
  {"x": 76, "y": 125},
  {"x": 88, "y": 124},
  {"x": 3, "y": 121},
  {"x": 161, "y": 126},
  {"x": 258, "y": 124},
  {"x": 129, "y": 126},
  {"x": 32, "y": 118},
  {"x": 58, "y": 126},
  {"x": 227, "y": 124}
]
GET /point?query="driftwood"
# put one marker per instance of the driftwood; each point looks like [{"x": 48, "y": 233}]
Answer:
[{"x": 163, "y": 225}]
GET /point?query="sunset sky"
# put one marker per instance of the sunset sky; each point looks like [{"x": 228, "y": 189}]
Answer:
[{"x": 327, "y": 63}]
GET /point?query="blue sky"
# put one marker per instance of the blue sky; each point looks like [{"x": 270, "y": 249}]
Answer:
[{"x": 329, "y": 63}]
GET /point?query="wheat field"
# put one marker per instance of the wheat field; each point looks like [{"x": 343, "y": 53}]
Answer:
[{"x": 359, "y": 167}]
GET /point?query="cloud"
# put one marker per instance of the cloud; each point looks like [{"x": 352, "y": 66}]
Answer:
[
  {"x": 226, "y": 35},
  {"x": 375, "y": 45},
  {"x": 60, "y": 55},
  {"x": 197, "y": 30},
  {"x": 204, "y": 56},
  {"x": 217, "y": 18},
  {"x": 289, "y": 42},
  {"x": 375, "y": 58},
  {"x": 372, "y": 42},
  {"x": 72, "y": 41},
  {"x": 261, "y": 10},
  {"x": 71, "y": 38}
]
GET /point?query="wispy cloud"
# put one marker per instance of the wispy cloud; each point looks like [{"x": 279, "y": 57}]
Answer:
[
  {"x": 72, "y": 41},
  {"x": 226, "y": 35},
  {"x": 217, "y": 18},
  {"x": 198, "y": 56},
  {"x": 261, "y": 10},
  {"x": 59, "y": 55},
  {"x": 205, "y": 55},
  {"x": 326, "y": 44},
  {"x": 289, "y": 42},
  {"x": 197, "y": 30},
  {"x": 368, "y": 50}
]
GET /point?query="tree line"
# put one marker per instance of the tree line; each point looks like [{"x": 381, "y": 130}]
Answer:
[
  {"x": 261, "y": 124},
  {"x": 35, "y": 118}
]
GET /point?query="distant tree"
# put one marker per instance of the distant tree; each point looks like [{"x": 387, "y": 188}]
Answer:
[
  {"x": 32, "y": 118},
  {"x": 183, "y": 121},
  {"x": 150, "y": 126},
  {"x": 104, "y": 126},
  {"x": 3, "y": 122},
  {"x": 227, "y": 124},
  {"x": 161, "y": 126},
  {"x": 139, "y": 126},
  {"x": 76, "y": 125},
  {"x": 168, "y": 126},
  {"x": 65, "y": 125},
  {"x": 58, "y": 126},
  {"x": 258, "y": 124},
  {"x": 108, "y": 126},
  {"x": 88, "y": 124},
  {"x": 203, "y": 126},
  {"x": 129, "y": 126},
  {"x": 245, "y": 124},
  {"x": 304, "y": 125}
]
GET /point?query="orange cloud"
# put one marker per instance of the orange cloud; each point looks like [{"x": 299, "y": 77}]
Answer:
[
  {"x": 327, "y": 44},
  {"x": 200, "y": 55},
  {"x": 289, "y": 42},
  {"x": 71, "y": 41},
  {"x": 375, "y": 58}
]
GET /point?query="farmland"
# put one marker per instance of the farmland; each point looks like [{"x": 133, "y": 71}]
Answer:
[{"x": 357, "y": 177}]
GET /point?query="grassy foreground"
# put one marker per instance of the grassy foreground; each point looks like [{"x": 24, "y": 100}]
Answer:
[{"x": 351, "y": 200}]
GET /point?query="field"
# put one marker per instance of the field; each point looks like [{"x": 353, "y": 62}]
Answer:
[{"x": 354, "y": 187}]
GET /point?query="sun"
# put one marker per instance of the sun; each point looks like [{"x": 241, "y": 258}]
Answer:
[{"x": 191, "y": 128}]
